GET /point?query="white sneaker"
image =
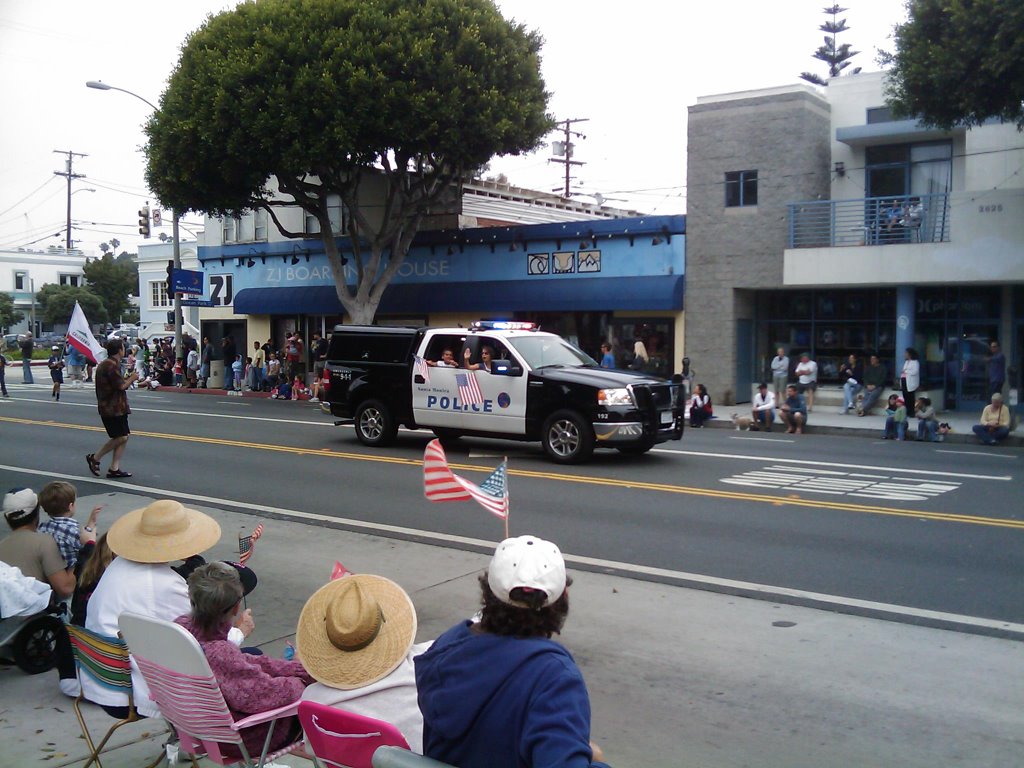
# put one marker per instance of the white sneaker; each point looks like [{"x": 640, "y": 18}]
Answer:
[
  {"x": 70, "y": 687},
  {"x": 314, "y": 399}
]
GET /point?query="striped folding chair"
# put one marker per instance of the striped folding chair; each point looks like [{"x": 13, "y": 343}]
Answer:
[
  {"x": 106, "y": 661},
  {"x": 344, "y": 739},
  {"x": 184, "y": 687}
]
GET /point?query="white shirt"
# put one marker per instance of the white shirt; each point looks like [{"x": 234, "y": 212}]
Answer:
[
  {"x": 392, "y": 699},
  {"x": 808, "y": 372},
  {"x": 912, "y": 373},
  {"x": 765, "y": 402},
  {"x": 147, "y": 589}
]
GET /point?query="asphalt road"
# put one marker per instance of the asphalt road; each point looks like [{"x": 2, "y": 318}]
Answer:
[{"x": 845, "y": 520}]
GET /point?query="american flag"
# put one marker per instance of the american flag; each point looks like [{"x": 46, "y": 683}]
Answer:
[
  {"x": 247, "y": 543},
  {"x": 441, "y": 484},
  {"x": 469, "y": 390},
  {"x": 420, "y": 367}
]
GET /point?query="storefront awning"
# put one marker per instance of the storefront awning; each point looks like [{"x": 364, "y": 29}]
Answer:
[{"x": 569, "y": 295}]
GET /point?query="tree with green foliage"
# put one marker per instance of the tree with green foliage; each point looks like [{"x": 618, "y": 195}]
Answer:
[
  {"x": 8, "y": 314},
  {"x": 958, "y": 63},
  {"x": 114, "y": 282},
  {"x": 56, "y": 303},
  {"x": 387, "y": 105},
  {"x": 836, "y": 56}
]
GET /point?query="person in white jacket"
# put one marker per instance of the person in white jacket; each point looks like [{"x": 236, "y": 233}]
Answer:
[
  {"x": 763, "y": 412},
  {"x": 910, "y": 378}
]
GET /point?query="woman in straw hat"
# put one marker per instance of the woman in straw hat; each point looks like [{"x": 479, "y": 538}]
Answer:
[
  {"x": 250, "y": 684},
  {"x": 355, "y": 636},
  {"x": 501, "y": 693},
  {"x": 141, "y": 580}
]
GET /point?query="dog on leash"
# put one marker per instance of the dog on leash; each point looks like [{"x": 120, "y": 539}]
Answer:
[{"x": 741, "y": 422}]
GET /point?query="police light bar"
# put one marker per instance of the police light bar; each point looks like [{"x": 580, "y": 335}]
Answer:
[{"x": 502, "y": 325}]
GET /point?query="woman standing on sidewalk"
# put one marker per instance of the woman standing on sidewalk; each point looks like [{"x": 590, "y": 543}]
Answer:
[{"x": 910, "y": 378}]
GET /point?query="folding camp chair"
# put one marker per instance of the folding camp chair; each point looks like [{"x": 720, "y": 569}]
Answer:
[
  {"x": 344, "y": 739},
  {"x": 183, "y": 686},
  {"x": 105, "y": 660}
]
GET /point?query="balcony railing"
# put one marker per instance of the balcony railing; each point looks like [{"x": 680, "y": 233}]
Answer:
[{"x": 869, "y": 221}]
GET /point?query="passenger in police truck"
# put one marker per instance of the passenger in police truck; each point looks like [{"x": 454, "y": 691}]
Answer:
[
  {"x": 447, "y": 360},
  {"x": 486, "y": 355}
]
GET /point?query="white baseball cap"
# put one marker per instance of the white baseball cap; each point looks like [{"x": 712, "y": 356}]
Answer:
[
  {"x": 530, "y": 563},
  {"x": 19, "y": 503}
]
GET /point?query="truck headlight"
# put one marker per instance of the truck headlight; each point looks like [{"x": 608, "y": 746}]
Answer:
[{"x": 620, "y": 396}]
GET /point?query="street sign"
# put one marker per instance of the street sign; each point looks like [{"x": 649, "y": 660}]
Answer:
[
  {"x": 187, "y": 281},
  {"x": 196, "y": 303}
]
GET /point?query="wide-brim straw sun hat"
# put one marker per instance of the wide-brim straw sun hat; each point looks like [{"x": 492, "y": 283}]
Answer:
[
  {"x": 355, "y": 630},
  {"x": 164, "y": 531}
]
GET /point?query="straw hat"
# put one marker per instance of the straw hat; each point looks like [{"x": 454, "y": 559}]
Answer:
[
  {"x": 355, "y": 630},
  {"x": 162, "y": 532}
]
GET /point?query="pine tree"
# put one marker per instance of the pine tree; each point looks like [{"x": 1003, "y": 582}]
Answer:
[{"x": 837, "y": 57}]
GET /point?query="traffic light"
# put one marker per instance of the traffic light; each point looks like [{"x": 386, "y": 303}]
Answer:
[
  {"x": 144, "y": 220},
  {"x": 170, "y": 277}
]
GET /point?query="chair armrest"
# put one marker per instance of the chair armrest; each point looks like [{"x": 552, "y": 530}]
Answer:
[{"x": 263, "y": 717}]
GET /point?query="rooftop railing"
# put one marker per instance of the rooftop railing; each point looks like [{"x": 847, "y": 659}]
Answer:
[{"x": 869, "y": 221}]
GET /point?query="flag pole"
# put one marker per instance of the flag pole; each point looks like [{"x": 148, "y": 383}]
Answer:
[{"x": 507, "y": 510}]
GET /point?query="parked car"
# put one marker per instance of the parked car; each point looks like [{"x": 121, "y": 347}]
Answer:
[
  {"x": 47, "y": 340},
  {"x": 10, "y": 341}
]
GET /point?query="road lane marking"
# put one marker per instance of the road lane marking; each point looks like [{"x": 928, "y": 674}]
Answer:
[
  {"x": 614, "y": 483},
  {"x": 765, "y": 591},
  {"x": 979, "y": 453},
  {"x": 836, "y": 483},
  {"x": 763, "y": 439},
  {"x": 812, "y": 462}
]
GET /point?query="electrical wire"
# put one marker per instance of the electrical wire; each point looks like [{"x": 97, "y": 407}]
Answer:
[{"x": 26, "y": 197}]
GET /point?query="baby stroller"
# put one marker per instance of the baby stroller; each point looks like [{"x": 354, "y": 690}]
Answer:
[{"x": 28, "y": 623}]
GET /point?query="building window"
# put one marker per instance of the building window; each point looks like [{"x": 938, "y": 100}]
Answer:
[
  {"x": 244, "y": 228},
  {"x": 336, "y": 212},
  {"x": 158, "y": 296},
  {"x": 740, "y": 188},
  {"x": 74, "y": 280},
  {"x": 21, "y": 281},
  {"x": 880, "y": 115},
  {"x": 228, "y": 230},
  {"x": 259, "y": 218}
]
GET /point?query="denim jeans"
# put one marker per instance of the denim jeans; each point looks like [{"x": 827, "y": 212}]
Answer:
[
  {"x": 990, "y": 438},
  {"x": 870, "y": 398},
  {"x": 928, "y": 429},
  {"x": 26, "y": 371},
  {"x": 850, "y": 391},
  {"x": 895, "y": 429},
  {"x": 764, "y": 418}
]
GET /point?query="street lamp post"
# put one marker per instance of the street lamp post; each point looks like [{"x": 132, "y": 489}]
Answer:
[{"x": 100, "y": 86}]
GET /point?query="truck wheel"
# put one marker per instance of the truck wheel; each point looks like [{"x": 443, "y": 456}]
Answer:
[
  {"x": 35, "y": 645},
  {"x": 567, "y": 438},
  {"x": 375, "y": 426}
]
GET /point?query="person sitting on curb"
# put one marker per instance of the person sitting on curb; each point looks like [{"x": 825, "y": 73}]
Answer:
[
  {"x": 35, "y": 553},
  {"x": 375, "y": 679},
  {"x": 995, "y": 422},
  {"x": 895, "y": 419},
  {"x": 793, "y": 411},
  {"x": 501, "y": 693},
  {"x": 700, "y": 407},
  {"x": 874, "y": 381},
  {"x": 927, "y": 424},
  {"x": 763, "y": 412}
]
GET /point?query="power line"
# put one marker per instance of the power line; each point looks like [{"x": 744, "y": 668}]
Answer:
[{"x": 26, "y": 197}]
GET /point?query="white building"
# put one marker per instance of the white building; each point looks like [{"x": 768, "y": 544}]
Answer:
[
  {"x": 154, "y": 302},
  {"x": 24, "y": 272}
]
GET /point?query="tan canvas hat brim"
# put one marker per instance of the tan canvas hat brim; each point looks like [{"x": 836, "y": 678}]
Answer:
[
  {"x": 162, "y": 532},
  {"x": 354, "y": 669}
]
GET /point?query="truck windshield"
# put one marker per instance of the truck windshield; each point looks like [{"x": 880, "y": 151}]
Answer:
[{"x": 540, "y": 351}]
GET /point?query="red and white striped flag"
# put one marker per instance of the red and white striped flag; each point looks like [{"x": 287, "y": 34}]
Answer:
[
  {"x": 420, "y": 367},
  {"x": 441, "y": 484},
  {"x": 469, "y": 390},
  {"x": 246, "y": 544}
]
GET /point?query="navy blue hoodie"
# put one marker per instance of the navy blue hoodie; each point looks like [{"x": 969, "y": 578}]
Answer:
[{"x": 502, "y": 702}]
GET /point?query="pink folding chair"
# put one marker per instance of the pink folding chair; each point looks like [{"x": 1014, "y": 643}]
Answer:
[
  {"x": 344, "y": 739},
  {"x": 183, "y": 686}
]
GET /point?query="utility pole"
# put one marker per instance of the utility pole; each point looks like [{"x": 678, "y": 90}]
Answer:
[
  {"x": 563, "y": 149},
  {"x": 70, "y": 175}
]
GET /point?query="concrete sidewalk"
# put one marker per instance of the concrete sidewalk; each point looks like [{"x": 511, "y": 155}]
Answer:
[{"x": 678, "y": 677}]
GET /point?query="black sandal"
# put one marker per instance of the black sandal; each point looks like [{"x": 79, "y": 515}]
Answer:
[
  {"x": 113, "y": 474},
  {"x": 94, "y": 466}
]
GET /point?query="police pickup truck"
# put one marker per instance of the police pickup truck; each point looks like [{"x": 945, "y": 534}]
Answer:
[{"x": 496, "y": 379}]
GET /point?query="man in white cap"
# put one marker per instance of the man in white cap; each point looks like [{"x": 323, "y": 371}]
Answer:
[
  {"x": 501, "y": 693},
  {"x": 36, "y": 554},
  {"x": 140, "y": 579}
]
